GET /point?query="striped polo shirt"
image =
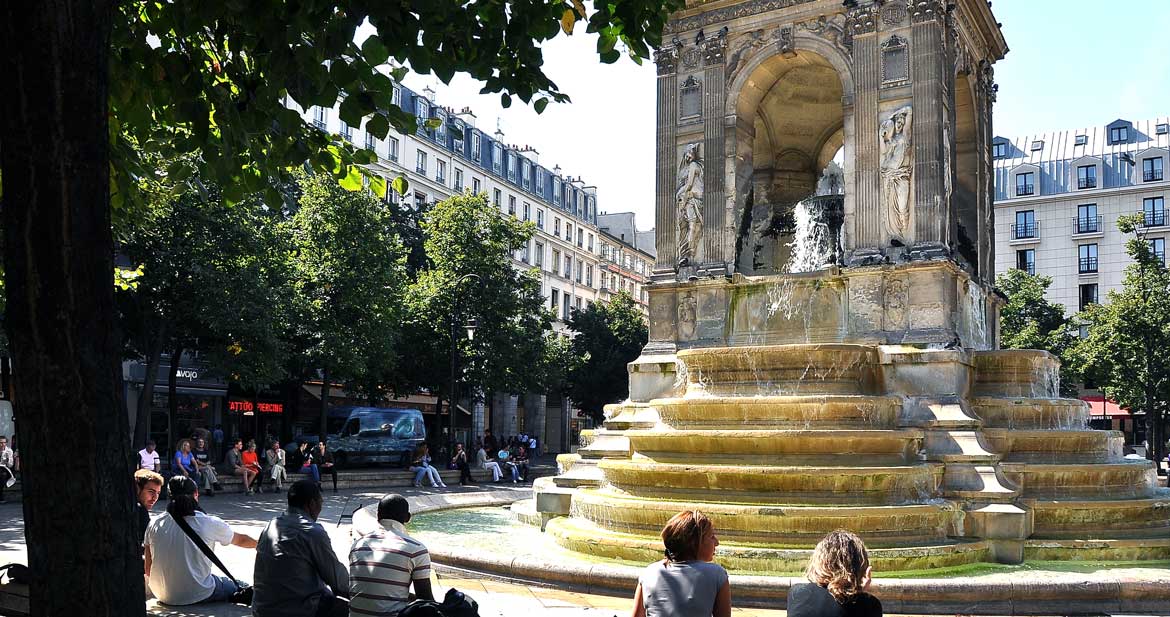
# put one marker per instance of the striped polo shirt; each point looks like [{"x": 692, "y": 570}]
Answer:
[{"x": 382, "y": 564}]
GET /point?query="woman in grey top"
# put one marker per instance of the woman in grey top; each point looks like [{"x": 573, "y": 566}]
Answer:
[{"x": 686, "y": 583}]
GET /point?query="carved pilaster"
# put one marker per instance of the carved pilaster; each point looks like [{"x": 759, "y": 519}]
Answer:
[
  {"x": 868, "y": 218},
  {"x": 667, "y": 60},
  {"x": 715, "y": 49},
  {"x": 716, "y": 241},
  {"x": 666, "y": 241},
  {"x": 862, "y": 20},
  {"x": 930, "y": 67},
  {"x": 926, "y": 10}
]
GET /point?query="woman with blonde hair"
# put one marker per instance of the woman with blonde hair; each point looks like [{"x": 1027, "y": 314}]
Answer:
[
  {"x": 686, "y": 583},
  {"x": 839, "y": 575}
]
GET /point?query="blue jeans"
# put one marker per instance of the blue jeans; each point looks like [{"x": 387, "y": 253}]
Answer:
[
  {"x": 312, "y": 470},
  {"x": 515, "y": 472},
  {"x": 429, "y": 472},
  {"x": 224, "y": 588}
]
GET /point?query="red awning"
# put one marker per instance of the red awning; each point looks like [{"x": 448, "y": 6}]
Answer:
[{"x": 1099, "y": 407}]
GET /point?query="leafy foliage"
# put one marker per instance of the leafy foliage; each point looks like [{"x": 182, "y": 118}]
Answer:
[
  {"x": 1129, "y": 335},
  {"x": 1030, "y": 321},
  {"x": 609, "y": 335}
]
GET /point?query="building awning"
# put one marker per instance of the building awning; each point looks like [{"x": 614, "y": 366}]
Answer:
[{"x": 1100, "y": 407}]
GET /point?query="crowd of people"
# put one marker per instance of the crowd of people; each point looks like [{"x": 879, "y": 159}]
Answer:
[{"x": 193, "y": 460}]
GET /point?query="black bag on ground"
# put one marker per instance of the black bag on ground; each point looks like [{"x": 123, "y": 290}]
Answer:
[
  {"x": 458, "y": 604},
  {"x": 243, "y": 595},
  {"x": 421, "y": 608},
  {"x": 17, "y": 573}
]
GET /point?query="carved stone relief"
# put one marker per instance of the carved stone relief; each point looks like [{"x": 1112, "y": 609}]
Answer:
[
  {"x": 715, "y": 48},
  {"x": 690, "y": 99},
  {"x": 833, "y": 30},
  {"x": 897, "y": 158},
  {"x": 729, "y": 13},
  {"x": 784, "y": 43},
  {"x": 691, "y": 57},
  {"x": 895, "y": 303},
  {"x": 948, "y": 180},
  {"x": 862, "y": 20},
  {"x": 894, "y": 14},
  {"x": 667, "y": 60},
  {"x": 926, "y": 10},
  {"x": 689, "y": 201},
  {"x": 687, "y": 317},
  {"x": 745, "y": 48},
  {"x": 895, "y": 61}
]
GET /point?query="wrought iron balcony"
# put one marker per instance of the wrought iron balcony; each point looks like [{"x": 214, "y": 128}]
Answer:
[
  {"x": 1025, "y": 189},
  {"x": 1087, "y": 224},
  {"x": 1088, "y": 265},
  {"x": 1153, "y": 175},
  {"x": 1024, "y": 231},
  {"x": 1153, "y": 218},
  {"x": 1087, "y": 183}
]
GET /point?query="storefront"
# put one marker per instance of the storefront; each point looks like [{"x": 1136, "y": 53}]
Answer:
[
  {"x": 1109, "y": 416},
  {"x": 260, "y": 419},
  {"x": 200, "y": 402}
]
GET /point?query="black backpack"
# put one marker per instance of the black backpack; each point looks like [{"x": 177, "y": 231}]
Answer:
[{"x": 455, "y": 604}]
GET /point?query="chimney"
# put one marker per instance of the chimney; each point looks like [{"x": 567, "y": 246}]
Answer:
[
  {"x": 467, "y": 116},
  {"x": 429, "y": 94},
  {"x": 499, "y": 131}
]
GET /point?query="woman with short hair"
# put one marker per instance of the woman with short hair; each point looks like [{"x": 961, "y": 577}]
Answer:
[
  {"x": 839, "y": 575},
  {"x": 687, "y": 583}
]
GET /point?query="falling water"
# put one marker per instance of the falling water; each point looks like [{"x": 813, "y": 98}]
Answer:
[
  {"x": 976, "y": 303},
  {"x": 815, "y": 243}
]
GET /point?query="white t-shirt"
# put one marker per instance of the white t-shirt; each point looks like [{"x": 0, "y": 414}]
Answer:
[
  {"x": 180, "y": 574},
  {"x": 148, "y": 460}
]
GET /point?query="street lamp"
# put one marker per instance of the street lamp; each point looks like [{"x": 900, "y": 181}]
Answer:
[{"x": 470, "y": 328}]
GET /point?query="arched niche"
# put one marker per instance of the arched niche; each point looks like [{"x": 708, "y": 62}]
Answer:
[
  {"x": 790, "y": 123},
  {"x": 966, "y": 177}
]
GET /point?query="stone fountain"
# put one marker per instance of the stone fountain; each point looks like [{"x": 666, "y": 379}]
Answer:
[{"x": 823, "y": 345}]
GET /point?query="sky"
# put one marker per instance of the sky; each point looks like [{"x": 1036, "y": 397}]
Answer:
[{"x": 1071, "y": 64}]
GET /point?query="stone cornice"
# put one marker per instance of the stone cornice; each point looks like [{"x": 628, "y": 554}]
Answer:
[{"x": 727, "y": 13}]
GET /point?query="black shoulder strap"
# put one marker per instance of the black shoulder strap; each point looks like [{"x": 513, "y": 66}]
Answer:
[{"x": 210, "y": 554}]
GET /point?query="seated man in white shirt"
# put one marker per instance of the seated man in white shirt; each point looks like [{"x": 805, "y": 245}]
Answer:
[
  {"x": 385, "y": 562},
  {"x": 148, "y": 458},
  {"x": 178, "y": 571}
]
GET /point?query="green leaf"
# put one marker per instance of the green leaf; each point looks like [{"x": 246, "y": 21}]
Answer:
[
  {"x": 378, "y": 185},
  {"x": 433, "y": 123},
  {"x": 378, "y": 126},
  {"x": 353, "y": 179},
  {"x": 540, "y": 104},
  {"x": 374, "y": 50},
  {"x": 400, "y": 185}
]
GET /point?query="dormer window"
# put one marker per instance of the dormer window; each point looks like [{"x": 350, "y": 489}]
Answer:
[
  {"x": 1162, "y": 128},
  {"x": 1037, "y": 145},
  {"x": 1081, "y": 140},
  {"x": 999, "y": 150},
  {"x": 1025, "y": 184},
  {"x": 1152, "y": 169},
  {"x": 1087, "y": 177},
  {"x": 1119, "y": 134}
]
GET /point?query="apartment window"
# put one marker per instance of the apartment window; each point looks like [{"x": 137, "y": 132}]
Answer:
[
  {"x": 1087, "y": 221},
  {"x": 590, "y": 243},
  {"x": 1081, "y": 140},
  {"x": 1119, "y": 134},
  {"x": 346, "y": 131},
  {"x": 458, "y": 179},
  {"x": 1162, "y": 129},
  {"x": 391, "y": 195},
  {"x": 568, "y": 231},
  {"x": 538, "y": 258},
  {"x": 1154, "y": 211},
  {"x": 556, "y": 261},
  {"x": 540, "y": 219},
  {"x": 567, "y": 306},
  {"x": 1158, "y": 248},
  {"x": 568, "y": 271},
  {"x": 420, "y": 200},
  {"x": 320, "y": 117},
  {"x": 580, "y": 270},
  {"x": 999, "y": 150},
  {"x": 475, "y": 186},
  {"x": 589, "y": 275},
  {"x": 556, "y": 299},
  {"x": 497, "y": 197},
  {"x": 371, "y": 142},
  {"x": 1026, "y": 261},
  {"x": 420, "y": 162},
  {"x": 457, "y": 137},
  {"x": 420, "y": 109},
  {"x": 1037, "y": 145},
  {"x": 556, "y": 190},
  {"x": 1087, "y": 177},
  {"x": 539, "y": 180},
  {"x": 1087, "y": 264},
  {"x": 511, "y": 167},
  {"x": 512, "y": 205},
  {"x": 526, "y": 174},
  {"x": 475, "y": 147},
  {"x": 556, "y": 227},
  {"x": 441, "y": 171},
  {"x": 497, "y": 158},
  {"x": 1088, "y": 295},
  {"x": 1025, "y": 184},
  {"x": 580, "y": 237},
  {"x": 1025, "y": 226},
  {"x": 1152, "y": 169},
  {"x": 527, "y": 211},
  {"x": 577, "y": 301},
  {"x": 524, "y": 253},
  {"x": 392, "y": 148},
  {"x": 396, "y": 97}
]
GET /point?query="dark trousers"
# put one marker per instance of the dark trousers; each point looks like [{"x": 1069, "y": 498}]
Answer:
[
  {"x": 4, "y": 475},
  {"x": 465, "y": 473},
  {"x": 332, "y": 471}
]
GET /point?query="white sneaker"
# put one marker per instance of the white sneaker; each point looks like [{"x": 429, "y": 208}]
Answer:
[{"x": 441, "y": 485}]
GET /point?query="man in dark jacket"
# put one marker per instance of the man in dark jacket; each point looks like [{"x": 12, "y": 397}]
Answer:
[{"x": 297, "y": 574}]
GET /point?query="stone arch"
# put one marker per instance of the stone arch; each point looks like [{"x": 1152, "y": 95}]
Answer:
[
  {"x": 814, "y": 77},
  {"x": 965, "y": 195}
]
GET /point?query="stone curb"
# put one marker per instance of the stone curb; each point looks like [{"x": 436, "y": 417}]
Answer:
[{"x": 1109, "y": 592}]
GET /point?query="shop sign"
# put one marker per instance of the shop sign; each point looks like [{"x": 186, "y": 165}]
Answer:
[{"x": 247, "y": 408}]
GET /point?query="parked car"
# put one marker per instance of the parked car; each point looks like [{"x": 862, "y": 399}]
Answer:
[{"x": 375, "y": 435}]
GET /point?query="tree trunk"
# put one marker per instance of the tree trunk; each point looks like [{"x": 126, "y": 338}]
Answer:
[
  {"x": 322, "y": 431},
  {"x": 58, "y": 256},
  {"x": 146, "y": 398},
  {"x": 173, "y": 400}
]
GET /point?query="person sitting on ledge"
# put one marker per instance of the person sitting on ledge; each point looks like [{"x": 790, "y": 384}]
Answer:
[
  {"x": 686, "y": 583},
  {"x": 839, "y": 575}
]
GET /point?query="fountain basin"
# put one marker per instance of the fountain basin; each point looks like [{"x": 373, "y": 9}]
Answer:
[
  {"x": 767, "y": 444},
  {"x": 1056, "y": 446},
  {"x": 1031, "y": 413},
  {"x": 1124, "y": 479},
  {"x": 1016, "y": 372},
  {"x": 844, "y": 411},
  {"x": 781, "y": 369},
  {"x": 1093, "y": 518}
]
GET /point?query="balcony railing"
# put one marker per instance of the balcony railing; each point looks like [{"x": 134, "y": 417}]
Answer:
[
  {"x": 1152, "y": 175},
  {"x": 1153, "y": 218},
  {"x": 1030, "y": 268},
  {"x": 1025, "y": 189},
  {"x": 1088, "y": 265},
  {"x": 1087, "y": 224},
  {"x": 1024, "y": 231},
  {"x": 1086, "y": 183}
]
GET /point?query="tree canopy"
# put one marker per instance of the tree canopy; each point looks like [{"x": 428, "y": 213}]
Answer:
[
  {"x": 1030, "y": 321},
  {"x": 608, "y": 336}
]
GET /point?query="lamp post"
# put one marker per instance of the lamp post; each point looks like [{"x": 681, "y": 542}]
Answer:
[{"x": 470, "y": 326}]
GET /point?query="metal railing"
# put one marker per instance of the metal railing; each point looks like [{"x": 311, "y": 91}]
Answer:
[
  {"x": 1087, "y": 265},
  {"x": 1023, "y": 231},
  {"x": 1030, "y": 268},
  {"x": 1087, "y": 224},
  {"x": 1153, "y": 218},
  {"x": 1025, "y": 189},
  {"x": 1086, "y": 183},
  {"x": 1154, "y": 175}
]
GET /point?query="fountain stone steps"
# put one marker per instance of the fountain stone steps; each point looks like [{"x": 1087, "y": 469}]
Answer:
[
  {"x": 1016, "y": 373},
  {"x": 782, "y": 369},
  {"x": 1026, "y": 413},
  {"x": 838, "y": 411},
  {"x": 766, "y": 443},
  {"x": 853, "y": 483},
  {"x": 1065, "y": 518},
  {"x": 1057, "y": 445},
  {"x": 585, "y": 537},
  {"x": 1118, "y": 480},
  {"x": 887, "y": 525},
  {"x": 1120, "y": 549}
]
